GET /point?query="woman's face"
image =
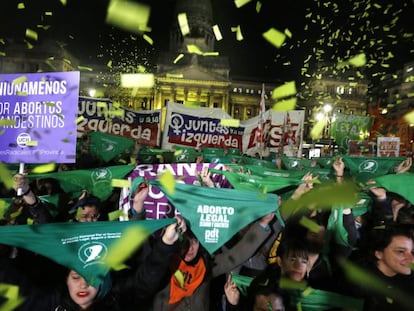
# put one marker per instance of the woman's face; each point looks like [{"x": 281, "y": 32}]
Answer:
[
  {"x": 396, "y": 257},
  {"x": 192, "y": 250},
  {"x": 80, "y": 291}
]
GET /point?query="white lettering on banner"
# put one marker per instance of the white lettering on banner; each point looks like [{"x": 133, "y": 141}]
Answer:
[
  {"x": 34, "y": 115},
  {"x": 214, "y": 217},
  {"x": 35, "y": 121},
  {"x": 33, "y": 88},
  {"x": 118, "y": 129},
  {"x": 203, "y": 139}
]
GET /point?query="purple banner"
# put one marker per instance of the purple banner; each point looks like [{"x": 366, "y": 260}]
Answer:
[
  {"x": 37, "y": 117},
  {"x": 156, "y": 204}
]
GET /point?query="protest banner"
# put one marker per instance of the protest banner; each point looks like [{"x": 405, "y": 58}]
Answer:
[
  {"x": 388, "y": 146},
  {"x": 102, "y": 115},
  {"x": 200, "y": 128},
  {"x": 282, "y": 133},
  {"x": 156, "y": 204},
  {"x": 37, "y": 117},
  {"x": 350, "y": 127}
]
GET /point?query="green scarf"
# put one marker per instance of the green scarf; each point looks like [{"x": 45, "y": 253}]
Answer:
[{"x": 82, "y": 247}]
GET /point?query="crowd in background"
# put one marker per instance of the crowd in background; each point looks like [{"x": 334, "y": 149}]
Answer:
[{"x": 320, "y": 257}]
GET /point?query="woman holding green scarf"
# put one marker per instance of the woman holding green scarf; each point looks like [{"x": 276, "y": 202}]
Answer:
[{"x": 120, "y": 290}]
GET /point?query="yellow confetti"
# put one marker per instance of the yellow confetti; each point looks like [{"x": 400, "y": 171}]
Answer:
[
  {"x": 285, "y": 105},
  {"x": 79, "y": 119},
  {"x": 45, "y": 168},
  {"x": 237, "y": 30},
  {"x": 148, "y": 39},
  {"x": 240, "y": 3},
  {"x": 230, "y": 122},
  {"x": 288, "y": 33},
  {"x": 20, "y": 79},
  {"x": 32, "y": 143},
  {"x": 316, "y": 131},
  {"x": 409, "y": 117},
  {"x": 7, "y": 122},
  {"x": 115, "y": 215},
  {"x": 194, "y": 49},
  {"x": 20, "y": 6},
  {"x": 31, "y": 34},
  {"x": 124, "y": 247},
  {"x": 109, "y": 64},
  {"x": 217, "y": 33},
  {"x": 167, "y": 181},
  {"x": 275, "y": 37},
  {"x": 180, "y": 277},
  {"x": 127, "y": 15},
  {"x": 11, "y": 294},
  {"x": 180, "y": 56},
  {"x": 6, "y": 177},
  {"x": 183, "y": 23},
  {"x": 258, "y": 6},
  {"x": 121, "y": 183},
  {"x": 85, "y": 68},
  {"x": 309, "y": 224},
  {"x": 287, "y": 89},
  {"x": 142, "y": 80}
]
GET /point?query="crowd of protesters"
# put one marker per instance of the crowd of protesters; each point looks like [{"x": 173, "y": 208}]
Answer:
[{"x": 319, "y": 258}]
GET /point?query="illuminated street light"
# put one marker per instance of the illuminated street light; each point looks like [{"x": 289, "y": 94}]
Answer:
[
  {"x": 327, "y": 108},
  {"x": 92, "y": 92}
]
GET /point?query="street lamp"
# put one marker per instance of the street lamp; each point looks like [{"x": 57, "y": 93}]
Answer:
[{"x": 92, "y": 92}]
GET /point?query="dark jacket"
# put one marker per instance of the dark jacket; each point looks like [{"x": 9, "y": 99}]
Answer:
[
  {"x": 216, "y": 266},
  {"x": 130, "y": 288}
]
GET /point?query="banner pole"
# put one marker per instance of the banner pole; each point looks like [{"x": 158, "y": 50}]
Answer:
[{"x": 21, "y": 172}]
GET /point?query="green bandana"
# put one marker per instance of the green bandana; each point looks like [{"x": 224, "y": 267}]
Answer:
[
  {"x": 250, "y": 182},
  {"x": 82, "y": 247},
  {"x": 365, "y": 168},
  {"x": 217, "y": 214},
  {"x": 97, "y": 181},
  {"x": 398, "y": 183},
  {"x": 242, "y": 281},
  {"x": 108, "y": 147}
]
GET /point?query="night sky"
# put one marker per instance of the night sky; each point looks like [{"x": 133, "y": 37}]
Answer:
[{"x": 321, "y": 31}]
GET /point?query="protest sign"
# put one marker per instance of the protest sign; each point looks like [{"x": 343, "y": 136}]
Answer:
[
  {"x": 199, "y": 128},
  {"x": 102, "y": 115},
  {"x": 388, "y": 146},
  {"x": 37, "y": 117},
  {"x": 156, "y": 204}
]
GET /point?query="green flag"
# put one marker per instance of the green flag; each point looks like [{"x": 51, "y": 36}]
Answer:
[
  {"x": 365, "y": 168},
  {"x": 82, "y": 247},
  {"x": 215, "y": 215},
  {"x": 250, "y": 182},
  {"x": 350, "y": 127},
  {"x": 97, "y": 181},
  {"x": 107, "y": 147},
  {"x": 242, "y": 281},
  {"x": 293, "y": 163},
  {"x": 400, "y": 184}
]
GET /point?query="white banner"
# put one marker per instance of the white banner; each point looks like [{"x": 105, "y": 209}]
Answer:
[{"x": 200, "y": 128}]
